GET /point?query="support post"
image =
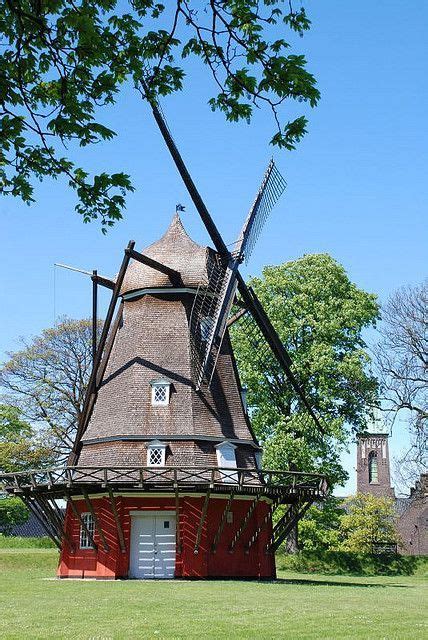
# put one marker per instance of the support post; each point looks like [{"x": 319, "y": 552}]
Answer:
[
  {"x": 201, "y": 522},
  {"x": 96, "y": 521},
  {"x": 94, "y": 315},
  {"x": 177, "y": 513},
  {"x": 44, "y": 523},
  {"x": 244, "y": 524},
  {"x": 60, "y": 523},
  {"x": 260, "y": 528},
  {"x": 82, "y": 523},
  {"x": 158, "y": 266},
  {"x": 119, "y": 529},
  {"x": 222, "y": 523},
  {"x": 91, "y": 390}
]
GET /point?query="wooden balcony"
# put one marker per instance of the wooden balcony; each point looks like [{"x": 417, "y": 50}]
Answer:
[{"x": 66, "y": 481}]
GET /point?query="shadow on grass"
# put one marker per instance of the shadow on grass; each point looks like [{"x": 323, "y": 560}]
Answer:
[
  {"x": 351, "y": 564},
  {"x": 337, "y": 583}
]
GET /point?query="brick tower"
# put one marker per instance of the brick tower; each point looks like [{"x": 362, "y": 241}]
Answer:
[{"x": 373, "y": 469}]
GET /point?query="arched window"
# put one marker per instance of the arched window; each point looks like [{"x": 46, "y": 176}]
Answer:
[{"x": 373, "y": 468}]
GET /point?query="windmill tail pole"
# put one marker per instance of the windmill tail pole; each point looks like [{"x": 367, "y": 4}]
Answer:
[{"x": 185, "y": 175}]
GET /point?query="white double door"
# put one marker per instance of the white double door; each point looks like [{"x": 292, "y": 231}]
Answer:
[{"x": 152, "y": 545}]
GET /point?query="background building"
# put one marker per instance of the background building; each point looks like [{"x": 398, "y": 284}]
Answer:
[{"x": 374, "y": 476}]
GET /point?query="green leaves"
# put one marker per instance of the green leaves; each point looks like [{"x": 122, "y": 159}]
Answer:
[
  {"x": 369, "y": 519},
  {"x": 13, "y": 512},
  {"x": 62, "y": 62},
  {"x": 319, "y": 315}
]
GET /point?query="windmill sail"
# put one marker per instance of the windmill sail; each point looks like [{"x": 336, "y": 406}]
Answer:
[
  {"x": 212, "y": 304},
  {"x": 271, "y": 189}
]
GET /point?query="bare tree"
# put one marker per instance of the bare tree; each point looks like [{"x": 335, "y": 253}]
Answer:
[
  {"x": 402, "y": 359},
  {"x": 47, "y": 381}
]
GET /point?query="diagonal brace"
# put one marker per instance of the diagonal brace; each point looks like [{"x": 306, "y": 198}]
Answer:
[
  {"x": 96, "y": 521},
  {"x": 201, "y": 522}
]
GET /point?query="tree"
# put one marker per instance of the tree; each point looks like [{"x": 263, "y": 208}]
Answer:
[
  {"x": 319, "y": 315},
  {"x": 319, "y": 529},
  {"x": 402, "y": 359},
  {"x": 20, "y": 446},
  {"x": 47, "y": 381},
  {"x": 13, "y": 512},
  {"x": 62, "y": 61},
  {"x": 369, "y": 519}
]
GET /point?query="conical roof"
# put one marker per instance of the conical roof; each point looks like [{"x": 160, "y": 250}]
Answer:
[{"x": 175, "y": 250}]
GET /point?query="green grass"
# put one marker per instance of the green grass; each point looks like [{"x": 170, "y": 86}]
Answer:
[
  {"x": 296, "y": 606},
  {"x": 15, "y": 542}
]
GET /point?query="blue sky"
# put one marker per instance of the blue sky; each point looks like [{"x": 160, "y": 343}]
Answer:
[{"x": 357, "y": 185}]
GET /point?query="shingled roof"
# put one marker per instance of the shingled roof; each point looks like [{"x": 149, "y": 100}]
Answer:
[{"x": 175, "y": 250}]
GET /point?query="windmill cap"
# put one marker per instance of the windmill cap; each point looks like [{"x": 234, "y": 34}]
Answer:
[{"x": 175, "y": 250}]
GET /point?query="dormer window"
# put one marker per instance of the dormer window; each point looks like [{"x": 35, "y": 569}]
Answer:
[
  {"x": 156, "y": 454},
  {"x": 226, "y": 458},
  {"x": 160, "y": 392}
]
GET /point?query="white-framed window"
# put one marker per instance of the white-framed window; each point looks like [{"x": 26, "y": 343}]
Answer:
[
  {"x": 85, "y": 540},
  {"x": 156, "y": 452},
  {"x": 160, "y": 392},
  {"x": 226, "y": 458}
]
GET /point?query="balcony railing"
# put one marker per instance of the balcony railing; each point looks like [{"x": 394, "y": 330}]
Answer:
[{"x": 67, "y": 478}]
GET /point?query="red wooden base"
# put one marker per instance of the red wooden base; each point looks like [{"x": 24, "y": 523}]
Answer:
[{"x": 240, "y": 563}]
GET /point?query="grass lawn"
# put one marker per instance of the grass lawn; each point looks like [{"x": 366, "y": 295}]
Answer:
[{"x": 296, "y": 606}]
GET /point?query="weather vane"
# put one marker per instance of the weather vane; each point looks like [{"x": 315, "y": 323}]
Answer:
[{"x": 179, "y": 207}]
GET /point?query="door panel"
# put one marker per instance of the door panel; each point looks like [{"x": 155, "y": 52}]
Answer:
[
  {"x": 152, "y": 553},
  {"x": 164, "y": 546}
]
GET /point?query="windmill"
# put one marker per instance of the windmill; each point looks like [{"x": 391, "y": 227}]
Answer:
[{"x": 164, "y": 479}]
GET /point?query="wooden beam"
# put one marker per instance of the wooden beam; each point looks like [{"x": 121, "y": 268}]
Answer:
[
  {"x": 174, "y": 275},
  {"x": 177, "y": 514},
  {"x": 244, "y": 523},
  {"x": 259, "y": 529},
  {"x": 236, "y": 316},
  {"x": 42, "y": 520},
  {"x": 96, "y": 521},
  {"x": 88, "y": 404},
  {"x": 222, "y": 523},
  {"x": 82, "y": 523},
  {"x": 104, "y": 282},
  {"x": 109, "y": 346},
  {"x": 119, "y": 529},
  {"x": 94, "y": 315},
  {"x": 201, "y": 522},
  {"x": 286, "y": 524},
  {"x": 185, "y": 175},
  {"x": 60, "y": 522}
]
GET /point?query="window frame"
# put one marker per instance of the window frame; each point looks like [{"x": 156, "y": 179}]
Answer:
[
  {"x": 84, "y": 539},
  {"x": 226, "y": 476},
  {"x": 158, "y": 384},
  {"x": 156, "y": 444}
]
